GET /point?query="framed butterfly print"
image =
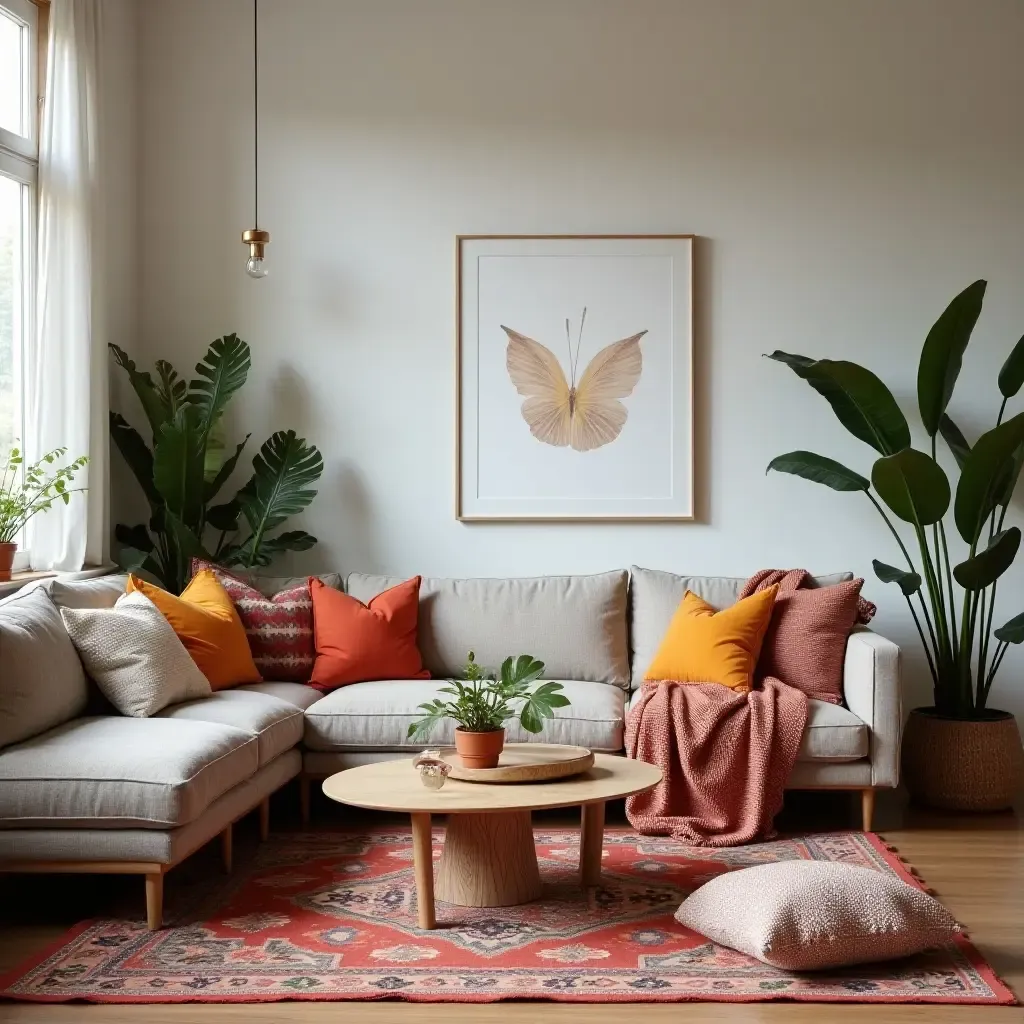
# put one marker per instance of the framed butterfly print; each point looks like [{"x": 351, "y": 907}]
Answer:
[{"x": 574, "y": 377}]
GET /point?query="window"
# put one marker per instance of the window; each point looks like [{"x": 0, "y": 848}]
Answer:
[{"x": 18, "y": 160}]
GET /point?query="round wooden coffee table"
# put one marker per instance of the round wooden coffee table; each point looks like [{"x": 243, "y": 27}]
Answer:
[{"x": 489, "y": 858}]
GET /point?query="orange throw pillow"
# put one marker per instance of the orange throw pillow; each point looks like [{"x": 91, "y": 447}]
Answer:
[
  {"x": 356, "y": 642},
  {"x": 207, "y": 624},
  {"x": 705, "y": 646}
]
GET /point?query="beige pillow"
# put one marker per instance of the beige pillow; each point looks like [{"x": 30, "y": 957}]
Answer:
[
  {"x": 803, "y": 915},
  {"x": 134, "y": 656}
]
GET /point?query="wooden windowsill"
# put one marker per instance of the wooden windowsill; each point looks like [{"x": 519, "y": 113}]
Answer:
[{"x": 21, "y": 579}]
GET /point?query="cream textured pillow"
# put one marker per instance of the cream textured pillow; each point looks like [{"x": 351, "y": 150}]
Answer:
[
  {"x": 804, "y": 915},
  {"x": 134, "y": 656}
]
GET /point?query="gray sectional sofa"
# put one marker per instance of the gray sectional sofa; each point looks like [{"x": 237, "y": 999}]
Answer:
[{"x": 83, "y": 789}]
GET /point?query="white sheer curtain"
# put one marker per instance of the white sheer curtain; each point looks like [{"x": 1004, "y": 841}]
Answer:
[{"x": 67, "y": 393}]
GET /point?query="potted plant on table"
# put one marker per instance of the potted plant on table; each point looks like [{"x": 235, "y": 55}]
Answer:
[
  {"x": 483, "y": 703},
  {"x": 25, "y": 491},
  {"x": 958, "y": 753}
]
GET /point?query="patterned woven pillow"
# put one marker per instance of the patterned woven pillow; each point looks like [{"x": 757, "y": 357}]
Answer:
[
  {"x": 802, "y": 915},
  {"x": 279, "y": 628}
]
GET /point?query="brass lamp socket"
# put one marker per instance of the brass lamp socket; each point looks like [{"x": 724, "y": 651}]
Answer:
[{"x": 257, "y": 241}]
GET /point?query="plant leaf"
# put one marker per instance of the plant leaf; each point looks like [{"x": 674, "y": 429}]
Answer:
[
  {"x": 943, "y": 354},
  {"x": 1011, "y": 376},
  {"x": 279, "y": 487},
  {"x": 222, "y": 371},
  {"x": 864, "y": 405},
  {"x": 909, "y": 582},
  {"x": 172, "y": 389},
  {"x": 913, "y": 485},
  {"x": 819, "y": 469},
  {"x": 987, "y": 566},
  {"x": 955, "y": 440},
  {"x": 224, "y": 517},
  {"x": 1008, "y": 483},
  {"x": 1012, "y": 632},
  {"x": 156, "y": 410},
  {"x": 984, "y": 476},
  {"x": 136, "y": 453},
  {"x": 226, "y": 469},
  {"x": 530, "y": 719},
  {"x": 290, "y": 540},
  {"x": 134, "y": 537},
  {"x": 178, "y": 466}
]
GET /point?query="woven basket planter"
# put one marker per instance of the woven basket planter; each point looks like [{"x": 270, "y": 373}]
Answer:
[{"x": 963, "y": 765}]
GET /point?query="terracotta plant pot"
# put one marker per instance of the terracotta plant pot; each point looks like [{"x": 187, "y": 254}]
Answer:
[
  {"x": 7, "y": 550},
  {"x": 479, "y": 749},
  {"x": 963, "y": 765}
]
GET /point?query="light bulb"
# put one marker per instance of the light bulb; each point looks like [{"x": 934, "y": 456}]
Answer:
[{"x": 256, "y": 267}]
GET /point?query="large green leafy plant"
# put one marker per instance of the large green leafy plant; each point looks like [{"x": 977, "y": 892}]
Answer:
[
  {"x": 956, "y": 601},
  {"x": 483, "y": 703},
  {"x": 182, "y": 473}
]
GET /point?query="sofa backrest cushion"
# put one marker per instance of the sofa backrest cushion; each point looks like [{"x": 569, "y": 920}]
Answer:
[
  {"x": 268, "y": 586},
  {"x": 576, "y": 625},
  {"x": 654, "y": 597},
  {"x": 42, "y": 682},
  {"x": 98, "y": 592}
]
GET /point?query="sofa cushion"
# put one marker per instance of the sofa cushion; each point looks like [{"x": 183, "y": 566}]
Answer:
[
  {"x": 268, "y": 586},
  {"x": 97, "y": 592},
  {"x": 832, "y": 733},
  {"x": 42, "y": 682},
  {"x": 111, "y": 772},
  {"x": 377, "y": 716},
  {"x": 576, "y": 625},
  {"x": 294, "y": 693},
  {"x": 654, "y": 597},
  {"x": 276, "y": 724}
]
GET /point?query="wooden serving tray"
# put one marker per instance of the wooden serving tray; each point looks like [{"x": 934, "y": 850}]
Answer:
[{"x": 525, "y": 762}]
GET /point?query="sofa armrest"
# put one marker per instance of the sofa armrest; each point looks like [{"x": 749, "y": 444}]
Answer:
[{"x": 871, "y": 686}]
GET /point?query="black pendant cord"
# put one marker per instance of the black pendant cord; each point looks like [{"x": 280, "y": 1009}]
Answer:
[{"x": 256, "y": 111}]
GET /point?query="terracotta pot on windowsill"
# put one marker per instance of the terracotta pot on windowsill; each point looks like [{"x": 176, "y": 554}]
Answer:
[
  {"x": 479, "y": 749},
  {"x": 7, "y": 550}
]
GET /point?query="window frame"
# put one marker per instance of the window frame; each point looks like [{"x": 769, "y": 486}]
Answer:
[{"x": 19, "y": 161}]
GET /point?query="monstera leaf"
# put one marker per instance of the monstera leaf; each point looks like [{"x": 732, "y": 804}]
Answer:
[
  {"x": 283, "y": 471},
  {"x": 222, "y": 372}
]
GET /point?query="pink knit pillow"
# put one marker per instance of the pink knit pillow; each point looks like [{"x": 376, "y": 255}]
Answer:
[{"x": 805, "y": 645}]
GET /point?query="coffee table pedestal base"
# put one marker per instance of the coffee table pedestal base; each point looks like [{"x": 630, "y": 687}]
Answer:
[{"x": 488, "y": 860}]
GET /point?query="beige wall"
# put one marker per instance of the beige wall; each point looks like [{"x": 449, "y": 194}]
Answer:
[{"x": 849, "y": 165}]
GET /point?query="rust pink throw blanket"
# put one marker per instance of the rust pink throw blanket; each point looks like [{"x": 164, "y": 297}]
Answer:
[{"x": 726, "y": 756}]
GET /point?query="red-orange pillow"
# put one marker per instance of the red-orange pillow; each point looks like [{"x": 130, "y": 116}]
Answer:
[
  {"x": 356, "y": 642},
  {"x": 805, "y": 645}
]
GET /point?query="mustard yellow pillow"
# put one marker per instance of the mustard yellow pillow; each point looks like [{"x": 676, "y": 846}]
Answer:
[
  {"x": 705, "y": 646},
  {"x": 207, "y": 624}
]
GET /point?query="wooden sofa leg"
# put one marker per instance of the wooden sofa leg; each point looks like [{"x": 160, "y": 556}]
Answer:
[
  {"x": 867, "y": 808},
  {"x": 227, "y": 847},
  {"x": 265, "y": 818},
  {"x": 155, "y": 900},
  {"x": 304, "y": 796}
]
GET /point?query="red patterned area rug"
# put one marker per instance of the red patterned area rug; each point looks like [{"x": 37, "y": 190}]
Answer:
[{"x": 332, "y": 915}]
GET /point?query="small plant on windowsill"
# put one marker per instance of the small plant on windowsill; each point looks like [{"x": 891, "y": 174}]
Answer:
[
  {"x": 483, "y": 703},
  {"x": 27, "y": 490}
]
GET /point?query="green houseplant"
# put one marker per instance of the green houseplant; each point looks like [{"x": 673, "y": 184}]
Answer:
[
  {"x": 27, "y": 490},
  {"x": 951, "y": 750},
  {"x": 484, "y": 702},
  {"x": 183, "y": 470}
]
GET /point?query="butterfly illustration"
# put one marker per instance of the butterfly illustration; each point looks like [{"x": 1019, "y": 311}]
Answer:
[{"x": 563, "y": 413}]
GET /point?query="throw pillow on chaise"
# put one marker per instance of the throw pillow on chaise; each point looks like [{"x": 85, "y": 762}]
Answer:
[
  {"x": 279, "y": 628},
  {"x": 358, "y": 642},
  {"x": 134, "y": 656},
  {"x": 207, "y": 624},
  {"x": 801, "y": 915},
  {"x": 705, "y": 646}
]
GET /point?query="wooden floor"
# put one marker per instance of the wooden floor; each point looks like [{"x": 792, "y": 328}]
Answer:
[{"x": 975, "y": 865}]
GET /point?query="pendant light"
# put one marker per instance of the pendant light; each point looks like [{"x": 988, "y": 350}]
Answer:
[{"x": 256, "y": 239}]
